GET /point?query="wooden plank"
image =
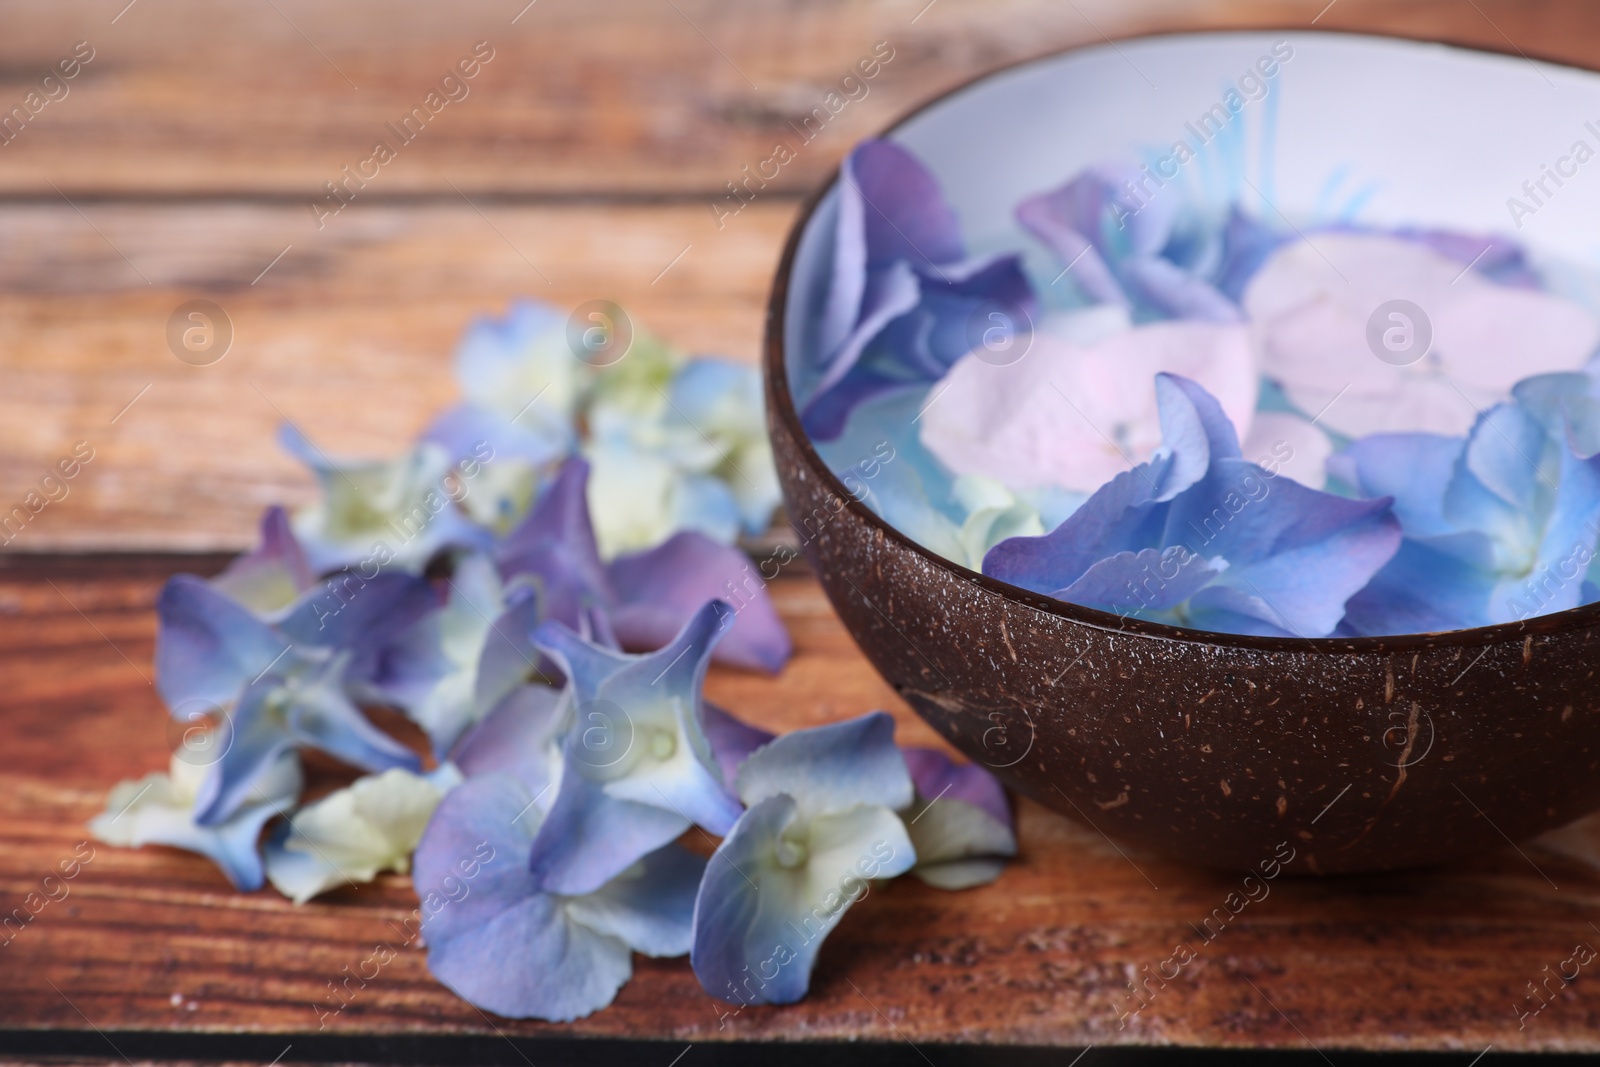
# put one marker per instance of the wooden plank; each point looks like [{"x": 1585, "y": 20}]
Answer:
[
  {"x": 155, "y": 939},
  {"x": 185, "y": 96},
  {"x": 349, "y": 335}
]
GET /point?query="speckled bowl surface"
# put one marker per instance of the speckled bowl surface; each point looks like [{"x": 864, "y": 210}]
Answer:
[{"x": 1363, "y": 754}]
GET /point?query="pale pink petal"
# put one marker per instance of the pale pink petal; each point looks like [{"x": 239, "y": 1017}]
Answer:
[
  {"x": 1289, "y": 445},
  {"x": 1420, "y": 404},
  {"x": 1074, "y": 416},
  {"x": 1493, "y": 336},
  {"x": 1311, "y": 303}
]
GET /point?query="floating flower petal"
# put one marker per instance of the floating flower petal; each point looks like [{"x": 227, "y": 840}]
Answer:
[{"x": 1200, "y": 537}]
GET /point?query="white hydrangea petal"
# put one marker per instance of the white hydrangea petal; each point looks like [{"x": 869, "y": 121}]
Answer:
[
  {"x": 159, "y": 810},
  {"x": 352, "y": 834},
  {"x": 948, "y": 833}
]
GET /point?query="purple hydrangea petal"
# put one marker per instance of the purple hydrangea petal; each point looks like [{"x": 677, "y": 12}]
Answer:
[
  {"x": 294, "y": 706},
  {"x": 555, "y": 545},
  {"x": 1123, "y": 512},
  {"x": 518, "y": 737},
  {"x": 1503, "y": 452},
  {"x": 831, "y": 768},
  {"x": 732, "y": 740},
  {"x": 1246, "y": 244},
  {"x": 1122, "y": 583},
  {"x": 508, "y": 655},
  {"x": 1069, "y": 220},
  {"x": 1178, "y": 292},
  {"x": 347, "y": 609},
  {"x": 1273, "y": 556},
  {"x": 661, "y": 587},
  {"x": 462, "y": 431},
  {"x": 207, "y": 645},
  {"x": 590, "y": 837},
  {"x": 492, "y": 936},
  {"x": 650, "y": 906},
  {"x": 270, "y": 577},
  {"x": 923, "y": 343},
  {"x": 905, "y": 215},
  {"x": 1421, "y": 590},
  {"x": 935, "y": 774},
  {"x": 637, "y": 766},
  {"x": 254, "y": 738},
  {"x": 1412, "y": 468}
]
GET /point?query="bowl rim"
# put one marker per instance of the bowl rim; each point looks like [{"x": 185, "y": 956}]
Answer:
[{"x": 782, "y": 409}]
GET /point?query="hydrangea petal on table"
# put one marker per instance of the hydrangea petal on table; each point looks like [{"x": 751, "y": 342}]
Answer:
[
  {"x": 645, "y": 597},
  {"x": 352, "y": 834},
  {"x": 1200, "y": 537},
  {"x": 1500, "y": 525},
  {"x": 637, "y": 768},
  {"x": 903, "y": 288},
  {"x": 689, "y": 453},
  {"x": 501, "y": 941},
  {"x": 821, "y": 822},
  {"x": 1313, "y": 299},
  {"x": 405, "y": 505},
  {"x": 278, "y": 685},
  {"x": 158, "y": 809},
  {"x": 959, "y": 821},
  {"x": 960, "y": 824},
  {"x": 450, "y": 667},
  {"x": 521, "y": 737},
  {"x": 676, "y": 443}
]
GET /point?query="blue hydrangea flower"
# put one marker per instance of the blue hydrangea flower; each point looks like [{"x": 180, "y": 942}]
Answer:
[
  {"x": 959, "y": 821},
  {"x": 820, "y": 825},
  {"x": 500, "y": 463},
  {"x": 903, "y": 290},
  {"x": 159, "y": 809},
  {"x": 499, "y": 940},
  {"x": 637, "y": 769},
  {"x": 521, "y": 368},
  {"x": 385, "y": 513},
  {"x": 448, "y": 669},
  {"x": 688, "y": 453},
  {"x": 1500, "y": 526},
  {"x": 644, "y": 598},
  {"x": 278, "y": 686},
  {"x": 1200, "y": 537}
]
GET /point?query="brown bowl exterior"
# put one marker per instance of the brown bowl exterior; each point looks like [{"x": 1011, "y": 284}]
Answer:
[{"x": 1215, "y": 749}]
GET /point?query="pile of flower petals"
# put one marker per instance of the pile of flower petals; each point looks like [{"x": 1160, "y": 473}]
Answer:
[{"x": 506, "y": 631}]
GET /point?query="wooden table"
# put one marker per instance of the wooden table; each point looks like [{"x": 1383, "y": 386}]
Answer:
[{"x": 182, "y": 164}]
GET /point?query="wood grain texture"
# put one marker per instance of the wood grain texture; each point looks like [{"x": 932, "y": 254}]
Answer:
[
  {"x": 349, "y": 336},
  {"x": 638, "y": 97},
  {"x": 180, "y": 163},
  {"x": 155, "y": 939}
]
